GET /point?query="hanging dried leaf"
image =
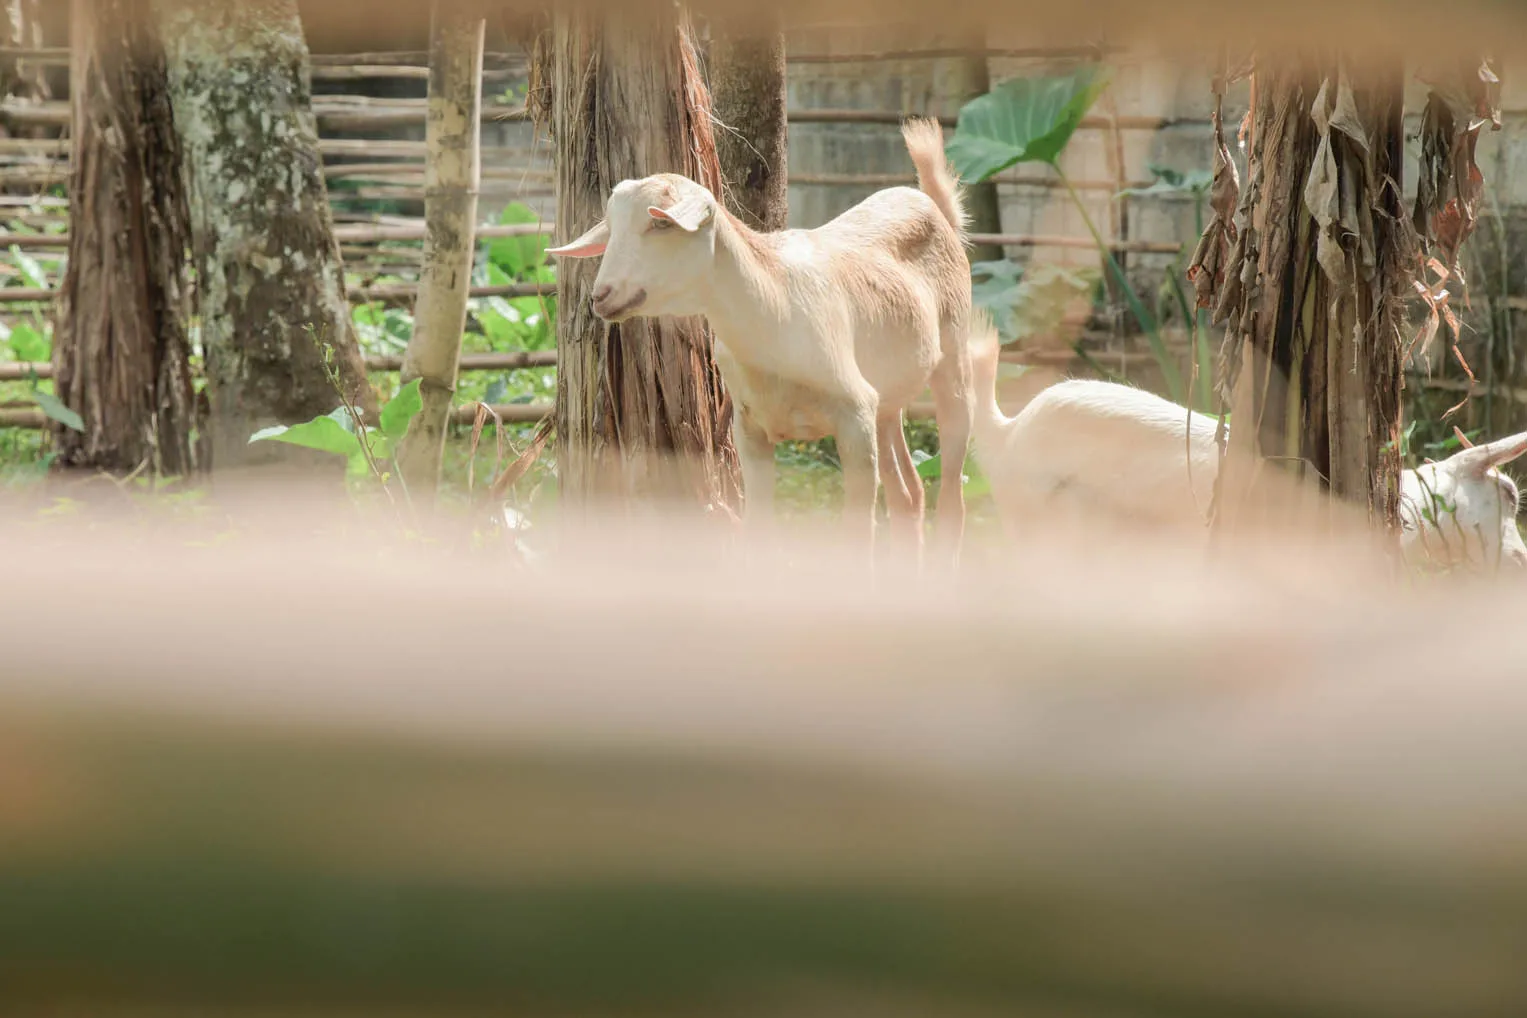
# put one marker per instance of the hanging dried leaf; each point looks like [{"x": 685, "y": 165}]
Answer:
[
  {"x": 1449, "y": 184},
  {"x": 1206, "y": 271}
]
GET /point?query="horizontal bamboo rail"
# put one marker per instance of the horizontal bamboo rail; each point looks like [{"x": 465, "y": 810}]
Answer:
[
  {"x": 17, "y": 371},
  {"x": 373, "y": 234},
  {"x": 331, "y": 114},
  {"x": 362, "y": 233},
  {"x": 509, "y": 413},
  {"x": 1022, "y": 53},
  {"x": 909, "y": 180},
  {"x": 58, "y": 56},
  {"x": 357, "y": 294},
  {"x": 835, "y": 116}
]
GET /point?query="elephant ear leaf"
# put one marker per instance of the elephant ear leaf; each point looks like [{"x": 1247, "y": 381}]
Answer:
[{"x": 1022, "y": 120}]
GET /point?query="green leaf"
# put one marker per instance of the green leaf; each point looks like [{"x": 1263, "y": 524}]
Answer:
[
  {"x": 327, "y": 434},
  {"x": 31, "y": 271},
  {"x": 54, "y": 408},
  {"x": 518, "y": 256},
  {"x": 1027, "y": 303},
  {"x": 30, "y": 345},
  {"x": 1022, "y": 120},
  {"x": 1170, "y": 181},
  {"x": 401, "y": 410}
]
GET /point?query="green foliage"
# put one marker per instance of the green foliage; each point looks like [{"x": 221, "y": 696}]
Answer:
[
  {"x": 29, "y": 344},
  {"x": 1022, "y": 120},
  {"x": 1032, "y": 120},
  {"x": 30, "y": 270},
  {"x": 336, "y": 432},
  {"x": 521, "y": 257},
  {"x": 1027, "y": 301},
  {"x": 55, "y": 409},
  {"x": 973, "y": 481},
  {"x": 381, "y": 329},
  {"x": 1170, "y": 181}
]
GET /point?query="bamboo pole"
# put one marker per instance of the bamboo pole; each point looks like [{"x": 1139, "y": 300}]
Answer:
[{"x": 452, "y": 176}]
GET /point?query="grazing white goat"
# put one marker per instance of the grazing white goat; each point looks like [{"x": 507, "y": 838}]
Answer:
[
  {"x": 1084, "y": 447},
  {"x": 828, "y": 331}
]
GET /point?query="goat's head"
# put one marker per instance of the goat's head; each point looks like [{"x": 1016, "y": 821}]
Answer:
[
  {"x": 1464, "y": 508},
  {"x": 658, "y": 241}
]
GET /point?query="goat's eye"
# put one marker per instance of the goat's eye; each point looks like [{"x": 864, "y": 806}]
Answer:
[{"x": 661, "y": 224}]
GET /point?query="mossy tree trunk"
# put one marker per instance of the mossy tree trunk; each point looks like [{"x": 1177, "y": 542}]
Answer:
[
  {"x": 121, "y": 353},
  {"x": 640, "y": 405},
  {"x": 748, "y": 85},
  {"x": 270, "y": 283},
  {"x": 451, "y": 177},
  {"x": 1312, "y": 289}
]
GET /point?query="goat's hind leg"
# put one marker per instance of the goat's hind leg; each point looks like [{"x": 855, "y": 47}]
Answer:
[
  {"x": 951, "y": 385},
  {"x": 858, "y": 452},
  {"x": 904, "y": 488}
]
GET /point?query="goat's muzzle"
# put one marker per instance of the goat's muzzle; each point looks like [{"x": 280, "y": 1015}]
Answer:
[{"x": 616, "y": 310}]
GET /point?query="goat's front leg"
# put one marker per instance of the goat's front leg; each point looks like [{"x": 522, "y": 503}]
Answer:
[
  {"x": 861, "y": 471},
  {"x": 756, "y": 454}
]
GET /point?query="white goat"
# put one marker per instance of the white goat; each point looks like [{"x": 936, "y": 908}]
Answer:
[
  {"x": 1082, "y": 447},
  {"x": 828, "y": 331}
]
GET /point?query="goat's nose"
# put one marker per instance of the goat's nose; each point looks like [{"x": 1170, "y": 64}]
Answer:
[{"x": 600, "y": 293}]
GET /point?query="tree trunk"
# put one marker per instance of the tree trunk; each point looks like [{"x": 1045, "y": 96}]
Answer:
[
  {"x": 640, "y": 405},
  {"x": 1327, "y": 248},
  {"x": 747, "y": 73},
  {"x": 121, "y": 353},
  {"x": 270, "y": 283},
  {"x": 957, "y": 80},
  {"x": 450, "y": 210}
]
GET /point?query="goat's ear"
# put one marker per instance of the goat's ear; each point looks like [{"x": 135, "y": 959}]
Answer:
[
  {"x": 590, "y": 245},
  {"x": 689, "y": 214},
  {"x": 1479, "y": 459}
]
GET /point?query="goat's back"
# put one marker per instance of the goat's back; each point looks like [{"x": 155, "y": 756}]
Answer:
[{"x": 1090, "y": 447}]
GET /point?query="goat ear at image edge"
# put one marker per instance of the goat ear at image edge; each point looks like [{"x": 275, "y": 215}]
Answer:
[{"x": 590, "y": 245}]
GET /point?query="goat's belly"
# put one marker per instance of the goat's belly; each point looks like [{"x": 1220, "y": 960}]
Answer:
[
  {"x": 785, "y": 411},
  {"x": 785, "y": 420}
]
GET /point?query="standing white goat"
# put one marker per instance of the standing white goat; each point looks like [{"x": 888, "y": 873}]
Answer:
[
  {"x": 1082, "y": 446},
  {"x": 828, "y": 331}
]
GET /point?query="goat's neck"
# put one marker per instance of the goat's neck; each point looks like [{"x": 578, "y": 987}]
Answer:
[{"x": 748, "y": 302}]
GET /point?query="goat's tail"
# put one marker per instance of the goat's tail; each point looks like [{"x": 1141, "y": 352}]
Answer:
[{"x": 935, "y": 177}]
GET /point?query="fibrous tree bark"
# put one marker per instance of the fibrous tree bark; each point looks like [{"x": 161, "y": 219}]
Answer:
[
  {"x": 1311, "y": 278},
  {"x": 640, "y": 405},
  {"x": 451, "y": 177},
  {"x": 270, "y": 283},
  {"x": 747, "y": 75},
  {"x": 121, "y": 353}
]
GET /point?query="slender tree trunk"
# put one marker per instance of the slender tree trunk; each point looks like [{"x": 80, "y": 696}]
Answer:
[
  {"x": 450, "y": 210},
  {"x": 957, "y": 80},
  {"x": 748, "y": 84},
  {"x": 120, "y": 352},
  {"x": 1314, "y": 341},
  {"x": 270, "y": 283},
  {"x": 640, "y": 405}
]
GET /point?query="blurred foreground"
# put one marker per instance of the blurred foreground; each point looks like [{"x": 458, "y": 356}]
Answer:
[{"x": 297, "y": 770}]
